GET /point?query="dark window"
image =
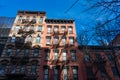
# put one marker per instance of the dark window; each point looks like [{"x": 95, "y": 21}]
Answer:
[
  {"x": 36, "y": 52},
  {"x": 8, "y": 52},
  {"x": 12, "y": 39},
  {"x": 46, "y": 73},
  {"x": 13, "y": 69},
  {"x": 23, "y": 69},
  {"x": 89, "y": 71},
  {"x": 115, "y": 71},
  {"x": 110, "y": 57},
  {"x": 2, "y": 69},
  {"x": 75, "y": 72},
  {"x": 103, "y": 71},
  {"x": 56, "y": 73},
  {"x": 26, "y": 52},
  {"x": 73, "y": 54},
  {"x": 33, "y": 69},
  {"x": 87, "y": 58},
  {"x": 47, "y": 57}
]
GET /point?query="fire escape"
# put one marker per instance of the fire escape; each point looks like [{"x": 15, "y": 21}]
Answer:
[
  {"x": 20, "y": 44},
  {"x": 55, "y": 45},
  {"x": 98, "y": 64}
]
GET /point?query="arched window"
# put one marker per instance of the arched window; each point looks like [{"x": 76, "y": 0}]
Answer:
[{"x": 36, "y": 52}]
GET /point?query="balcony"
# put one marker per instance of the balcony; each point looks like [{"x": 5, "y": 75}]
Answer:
[
  {"x": 33, "y": 21},
  {"x": 21, "y": 59},
  {"x": 25, "y": 21}
]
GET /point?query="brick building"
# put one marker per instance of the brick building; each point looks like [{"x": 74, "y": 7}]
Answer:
[{"x": 39, "y": 48}]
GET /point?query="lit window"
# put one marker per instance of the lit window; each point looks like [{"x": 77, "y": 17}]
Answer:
[
  {"x": 71, "y": 40},
  {"x": 56, "y": 53},
  {"x": 75, "y": 72},
  {"x": 39, "y": 28},
  {"x": 49, "y": 29},
  {"x": 70, "y": 29},
  {"x": 65, "y": 77},
  {"x": 46, "y": 73},
  {"x": 64, "y": 55},
  {"x": 47, "y": 57},
  {"x": 48, "y": 40},
  {"x": 56, "y": 73},
  {"x": 63, "y": 29},
  {"x": 36, "y": 52},
  {"x": 12, "y": 39},
  {"x": 38, "y": 39},
  {"x": 56, "y": 39},
  {"x": 73, "y": 54},
  {"x": 56, "y": 29},
  {"x": 8, "y": 52},
  {"x": 33, "y": 69}
]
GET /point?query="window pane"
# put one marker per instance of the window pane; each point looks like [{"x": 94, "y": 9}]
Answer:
[
  {"x": 8, "y": 52},
  {"x": 38, "y": 39},
  {"x": 39, "y": 28},
  {"x": 70, "y": 29},
  {"x": 49, "y": 28},
  {"x": 2, "y": 69}
]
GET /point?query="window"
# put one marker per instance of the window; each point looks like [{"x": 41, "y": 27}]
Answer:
[
  {"x": 56, "y": 53},
  {"x": 73, "y": 55},
  {"x": 12, "y": 39},
  {"x": 48, "y": 39},
  {"x": 2, "y": 69},
  {"x": 56, "y": 73},
  {"x": 70, "y": 29},
  {"x": 89, "y": 72},
  {"x": 31, "y": 27},
  {"x": 27, "y": 18},
  {"x": 41, "y": 19},
  {"x": 34, "y": 18},
  {"x": 56, "y": 39},
  {"x": 18, "y": 51},
  {"x": 36, "y": 52},
  {"x": 29, "y": 38},
  {"x": 38, "y": 38},
  {"x": 26, "y": 52},
  {"x": 63, "y": 40},
  {"x": 19, "y": 18},
  {"x": 23, "y": 69},
  {"x": 49, "y": 29},
  {"x": 110, "y": 57},
  {"x": 16, "y": 28},
  {"x": 103, "y": 72},
  {"x": 13, "y": 69},
  {"x": 46, "y": 73},
  {"x": 115, "y": 71},
  {"x": 8, "y": 52},
  {"x": 63, "y": 29},
  {"x": 39, "y": 28},
  {"x": 64, "y": 55},
  {"x": 47, "y": 54},
  {"x": 65, "y": 77},
  {"x": 56, "y": 29},
  {"x": 75, "y": 72},
  {"x": 87, "y": 58},
  {"x": 71, "y": 40},
  {"x": 33, "y": 69}
]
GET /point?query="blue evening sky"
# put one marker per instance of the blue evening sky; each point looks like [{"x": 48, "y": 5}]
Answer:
[{"x": 53, "y": 8}]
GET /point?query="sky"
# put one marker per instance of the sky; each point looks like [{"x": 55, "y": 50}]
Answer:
[{"x": 53, "y": 8}]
